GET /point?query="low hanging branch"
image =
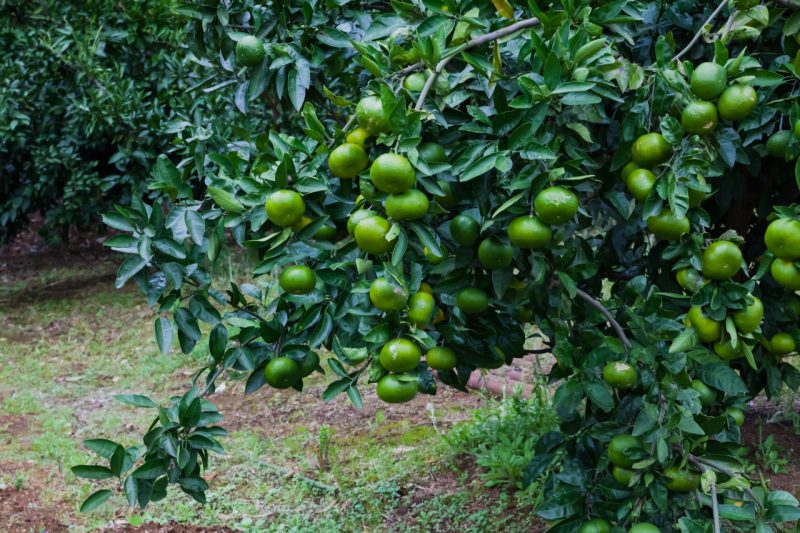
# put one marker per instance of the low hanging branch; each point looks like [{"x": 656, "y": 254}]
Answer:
[
  {"x": 697, "y": 35},
  {"x": 483, "y": 39},
  {"x": 588, "y": 298}
]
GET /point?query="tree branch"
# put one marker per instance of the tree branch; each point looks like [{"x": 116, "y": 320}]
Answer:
[
  {"x": 696, "y": 37},
  {"x": 725, "y": 470},
  {"x": 483, "y": 39},
  {"x": 791, "y": 4},
  {"x": 613, "y": 321},
  {"x": 344, "y": 130},
  {"x": 714, "y": 502}
]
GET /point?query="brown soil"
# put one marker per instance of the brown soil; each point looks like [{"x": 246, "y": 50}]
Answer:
[
  {"x": 21, "y": 508},
  {"x": 788, "y": 442}
]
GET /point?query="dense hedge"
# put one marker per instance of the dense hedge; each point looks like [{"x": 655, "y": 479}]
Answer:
[{"x": 89, "y": 92}]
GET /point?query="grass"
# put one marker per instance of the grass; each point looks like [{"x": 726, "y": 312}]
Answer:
[{"x": 64, "y": 358}]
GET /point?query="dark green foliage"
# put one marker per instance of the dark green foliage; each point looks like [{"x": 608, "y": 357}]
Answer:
[{"x": 87, "y": 92}]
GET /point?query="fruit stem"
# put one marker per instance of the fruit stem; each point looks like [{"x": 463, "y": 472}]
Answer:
[
  {"x": 613, "y": 321},
  {"x": 346, "y": 127},
  {"x": 477, "y": 41},
  {"x": 700, "y": 31}
]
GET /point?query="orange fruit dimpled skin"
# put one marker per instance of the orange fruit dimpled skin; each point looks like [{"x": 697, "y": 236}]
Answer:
[
  {"x": 400, "y": 355},
  {"x": 640, "y": 182},
  {"x": 555, "y": 205},
  {"x": 371, "y": 235},
  {"x": 786, "y": 274},
  {"x": 736, "y": 102},
  {"x": 667, "y": 226},
  {"x": 298, "y": 279},
  {"x": 250, "y": 51},
  {"x": 721, "y": 260},
  {"x": 709, "y": 80},
  {"x": 370, "y": 116},
  {"x": 465, "y": 230},
  {"x": 699, "y": 117},
  {"x": 285, "y": 208},
  {"x": 441, "y": 358},
  {"x": 472, "y": 300},
  {"x": 529, "y": 232},
  {"x": 392, "y": 389},
  {"x": 387, "y": 296},
  {"x": 494, "y": 254},
  {"x": 651, "y": 149},
  {"x": 347, "y": 161},
  {"x": 408, "y": 205},
  {"x": 708, "y": 330},
  {"x": 783, "y": 238},
  {"x": 282, "y": 372},
  {"x": 392, "y": 173}
]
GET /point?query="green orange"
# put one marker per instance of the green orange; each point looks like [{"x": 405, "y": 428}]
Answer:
[
  {"x": 392, "y": 389},
  {"x": 595, "y": 525},
  {"x": 298, "y": 279},
  {"x": 282, "y": 372},
  {"x": 414, "y": 82},
  {"x": 627, "y": 170},
  {"x": 370, "y": 115},
  {"x": 736, "y": 102},
  {"x": 359, "y": 136},
  {"x": 667, "y": 226},
  {"x": 643, "y": 527},
  {"x": 721, "y": 260},
  {"x": 622, "y": 475},
  {"x": 699, "y": 117},
  {"x": 421, "y": 308},
  {"x": 250, "y": 51},
  {"x": 783, "y": 238},
  {"x": 778, "y": 143},
  {"x": 441, "y": 358},
  {"x": 737, "y": 415},
  {"x": 782, "y": 344},
  {"x": 555, "y": 205},
  {"x": 472, "y": 300},
  {"x": 786, "y": 274},
  {"x": 432, "y": 152},
  {"x": 529, "y": 232},
  {"x": 400, "y": 355},
  {"x": 387, "y": 296},
  {"x": 640, "y": 182},
  {"x": 708, "y": 330},
  {"x": 707, "y": 394},
  {"x": 618, "y": 448},
  {"x": 357, "y": 217},
  {"x": 372, "y": 235},
  {"x": 347, "y": 161},
  {"x": 620, "y": 375},
  {"x": 709, "y": 80},
  {"x": 465, "y": 230},
  {"x": 651, "y": 149},
  {"x": 748, "y": 320},
  {"x": 680, "y": 480},
  {"x": 409, "y": 205},
  {"x": 285, "y": 207},
  {"x": 690, "y": 279},
  {"x": 494, "y": 254},
  {"x": 726, "y": 351},
  {"x": 392, "y": 173}
]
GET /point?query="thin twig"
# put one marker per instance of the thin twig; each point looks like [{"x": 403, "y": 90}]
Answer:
[
  {"x": 408, "y": 70},
  {"x": 725, "y": 470},
  {"x": 483, "y": 39},
  {"x": 344, "y": 130},
  {"x": 714, "y": 502},
  {"x": 613, "y": 321},
  {"x": 696, "y": 37}
]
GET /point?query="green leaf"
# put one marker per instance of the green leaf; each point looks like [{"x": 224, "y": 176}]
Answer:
[
  {"x": 163, "y": 329},
  {"x": 103, "y": 447},
  {"x": 187, "y": 323},
  {"x": 151, "y": 469},
  {"x": 225, "y": 200},
  {"x": 195, "y": 225},
  {"x": 92, "y": 471},
  {"x": 129, "y": 268},
  {"x": 95, "y": 500},
  {"x": 136, "y": 400}
]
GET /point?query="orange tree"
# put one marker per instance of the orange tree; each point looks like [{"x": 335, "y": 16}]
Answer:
[{"x": 437, "y": 176}]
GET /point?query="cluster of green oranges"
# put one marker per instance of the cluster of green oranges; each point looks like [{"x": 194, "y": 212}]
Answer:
[
  {"x": 709, "y": 81},
  {"x": 393, "y": 175}
]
